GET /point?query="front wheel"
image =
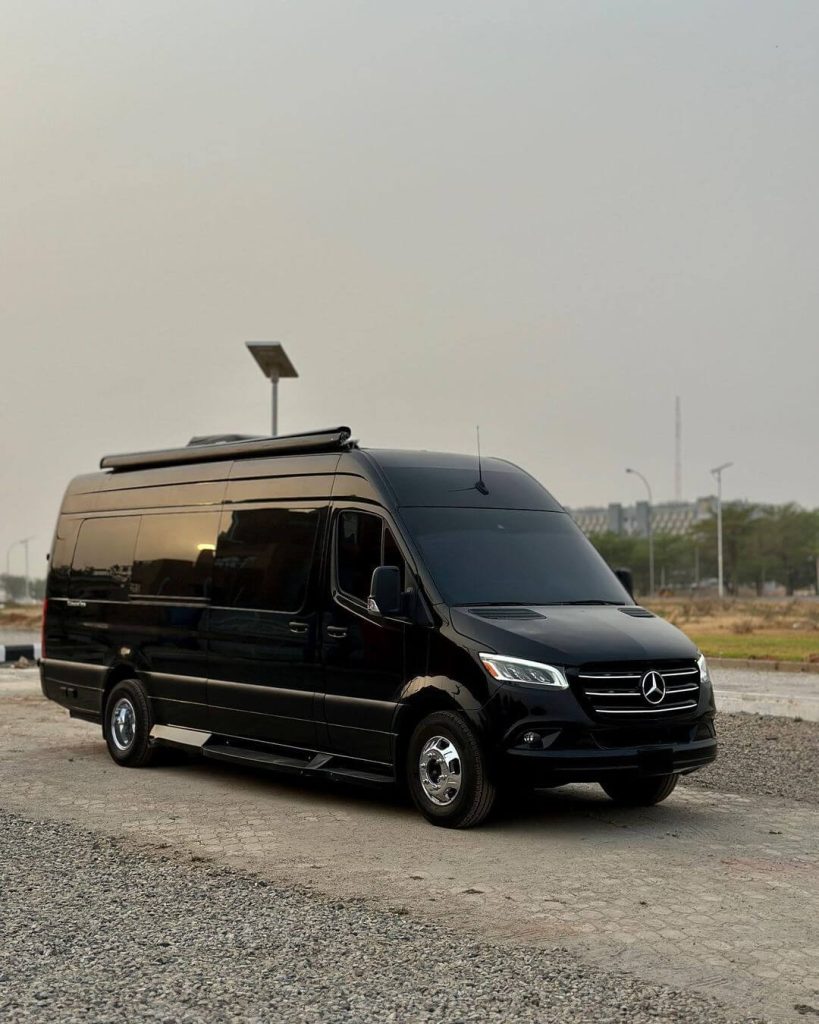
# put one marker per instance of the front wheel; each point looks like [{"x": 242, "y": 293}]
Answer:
[
  {"x": 640, "y": 792},
  {"x": 447, "y": 773}
]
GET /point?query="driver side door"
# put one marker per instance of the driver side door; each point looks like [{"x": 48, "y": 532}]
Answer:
[{"x": 364, "y": 655}]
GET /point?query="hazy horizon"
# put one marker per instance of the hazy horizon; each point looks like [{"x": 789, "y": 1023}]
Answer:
[{"x": 548, "y": 219}]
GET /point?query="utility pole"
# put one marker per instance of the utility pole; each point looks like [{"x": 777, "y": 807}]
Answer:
[
  {"x": 717, "y": 472},
  {"x": 650, "y": 530}
]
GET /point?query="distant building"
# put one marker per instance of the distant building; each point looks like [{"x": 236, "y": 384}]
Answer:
[{"x": 675, "y": 517}]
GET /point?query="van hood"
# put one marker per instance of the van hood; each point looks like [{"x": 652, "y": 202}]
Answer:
[{"x": 573, "y": 635}]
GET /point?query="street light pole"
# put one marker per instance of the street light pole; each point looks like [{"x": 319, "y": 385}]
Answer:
[
  {"x": 717, "y": 472},
  {"x": 274, "y": 404},
  {"x": 27, "y": 585},
  {"x": 274, "y": 364},
  {"x": 24, "y": 541},
  {"x": 650, "y": 532}
]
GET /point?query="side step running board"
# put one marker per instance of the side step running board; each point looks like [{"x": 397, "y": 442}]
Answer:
[
  {"x": 260, "y": 758},
  {"x": 356, "y": 775},
  {"x": 319, "y": 765}
]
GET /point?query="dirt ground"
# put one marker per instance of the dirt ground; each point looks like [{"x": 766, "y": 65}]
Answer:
[
  {"x": 18, "y": 617},
  {"x": 784, "y": 629}
]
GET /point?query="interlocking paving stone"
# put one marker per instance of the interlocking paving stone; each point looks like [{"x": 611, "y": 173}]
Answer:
[{"x": 696, "y": 893}]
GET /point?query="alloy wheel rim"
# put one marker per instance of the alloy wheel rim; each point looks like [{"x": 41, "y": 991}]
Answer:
[
  {"x": 123, "y": 724},
  {"x": 440, "y": 772}
]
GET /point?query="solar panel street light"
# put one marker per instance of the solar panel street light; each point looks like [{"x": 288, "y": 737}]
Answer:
[{"x": 275, "y": 364}]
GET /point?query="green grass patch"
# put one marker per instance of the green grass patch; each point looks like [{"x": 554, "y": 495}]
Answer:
[{"x": 793, "y": 646}]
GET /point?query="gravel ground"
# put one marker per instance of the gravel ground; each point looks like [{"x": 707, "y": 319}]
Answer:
[
  {"x": 93, "y": 932},
  {"x": 759, "y": 754}
]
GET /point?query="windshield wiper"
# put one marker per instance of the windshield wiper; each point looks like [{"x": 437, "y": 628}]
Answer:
[{"x": 591, "y": 600}]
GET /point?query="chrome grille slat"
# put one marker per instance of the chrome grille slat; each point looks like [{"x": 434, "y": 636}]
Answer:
[
  {"x": 618, "y": 690},
  {"x": 610, "y": 675},
  {"x": 613, "y": 693},
  {"x": 646, "y": 711}
]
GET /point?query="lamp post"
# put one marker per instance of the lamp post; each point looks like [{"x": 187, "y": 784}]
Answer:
[
  {"x": 25, "y": 542},
  {"x": 717, "y": 472},
  {"x": 274, "y": 364},
  {"x": 650, "y": 532}
]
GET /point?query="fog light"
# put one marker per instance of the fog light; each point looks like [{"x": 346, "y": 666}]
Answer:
[{"x": 531, "y": 739}]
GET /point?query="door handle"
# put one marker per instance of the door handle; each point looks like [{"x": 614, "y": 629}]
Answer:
[
  {"x": 74, "y": 604},
  {"x": 298, "y": 627},
  {"x": 337, "y": 631}
]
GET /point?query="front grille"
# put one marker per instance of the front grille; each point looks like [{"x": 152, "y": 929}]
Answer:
[{"x": 616, "y": 692}]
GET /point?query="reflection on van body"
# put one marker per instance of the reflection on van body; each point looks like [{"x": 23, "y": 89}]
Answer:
[{"x": 384, "y": 617}]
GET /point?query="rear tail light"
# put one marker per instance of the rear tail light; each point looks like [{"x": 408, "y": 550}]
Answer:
[{"x": 43, "y": 629}]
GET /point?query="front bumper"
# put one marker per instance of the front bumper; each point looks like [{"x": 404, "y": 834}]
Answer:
[
  {"x": 574, "y": 742},
  {"x": 555, "y": 767}
]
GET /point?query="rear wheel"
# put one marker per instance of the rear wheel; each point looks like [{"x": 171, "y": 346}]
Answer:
[
  {"x": 127, "y": 724},
  {"x": 447, "y": 772},
  {"x": 640, "y": 792}
]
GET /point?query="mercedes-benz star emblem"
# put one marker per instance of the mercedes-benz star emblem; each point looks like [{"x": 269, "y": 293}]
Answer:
[{"x": 653, "y": 687}]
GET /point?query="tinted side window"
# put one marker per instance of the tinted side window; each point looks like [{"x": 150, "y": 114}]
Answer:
[
  {"x": 263, "y": 558},
  {"x": 62, "y": 553},
  {"x": 101, "y": 567},
  {"x": 174, "y": 555},
  {"x": 359, "y": 552},
  {"x": 393, "y": 556}
]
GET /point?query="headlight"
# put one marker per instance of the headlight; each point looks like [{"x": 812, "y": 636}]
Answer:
[
  {"x": 702, "y": 665},
  {"x": 517, "y": 670}
]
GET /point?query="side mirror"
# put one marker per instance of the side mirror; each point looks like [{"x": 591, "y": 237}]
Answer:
[
  {"x": 385, "y": 591},
  {"x": 626, "y": 577}
]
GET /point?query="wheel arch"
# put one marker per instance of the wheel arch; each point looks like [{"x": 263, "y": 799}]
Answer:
[
  {"x": 116, "y": 674},
  {"x": 423, "y": 697}
]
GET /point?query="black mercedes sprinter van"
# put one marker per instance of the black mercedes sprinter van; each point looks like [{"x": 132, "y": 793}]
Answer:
[{"x": 303, "y": 604}]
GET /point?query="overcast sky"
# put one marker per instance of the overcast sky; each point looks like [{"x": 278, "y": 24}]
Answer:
[{"x": 548, "y": 218}]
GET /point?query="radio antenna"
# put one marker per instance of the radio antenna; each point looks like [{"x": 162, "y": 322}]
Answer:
[{"x": 480, "y": 486}]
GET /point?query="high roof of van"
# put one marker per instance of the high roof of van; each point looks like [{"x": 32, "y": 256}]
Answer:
[
  {"x": 449, "y": 479},
  {"x": 324, "y": 464}
]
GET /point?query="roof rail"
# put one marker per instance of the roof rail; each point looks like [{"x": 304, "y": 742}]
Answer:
[{"x": 332, "y": 439}]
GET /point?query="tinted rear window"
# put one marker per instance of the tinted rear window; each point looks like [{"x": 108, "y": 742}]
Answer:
[
  {"x": 174, "y": 555},
  {"x": 502, "y": 556},
  {"x": 62, "y": 553},
  {"x": 101, "y": 566}
]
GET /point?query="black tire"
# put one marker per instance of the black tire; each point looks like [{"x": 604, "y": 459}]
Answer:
[
  {"x": 127, "y": 725},
  {"x": 474, "y": 797},
  {"x": 640, "y": 792}
]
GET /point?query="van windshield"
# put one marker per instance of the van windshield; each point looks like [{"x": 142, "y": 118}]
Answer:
[{"x": 511, "y": 556}]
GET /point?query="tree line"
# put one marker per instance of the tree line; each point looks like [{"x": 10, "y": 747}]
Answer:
[
  {"x": 762, "y": 544},
  {"x": 14, "y": 588}
]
